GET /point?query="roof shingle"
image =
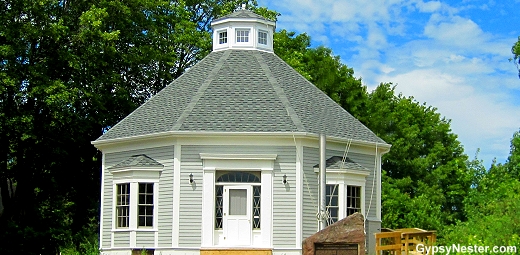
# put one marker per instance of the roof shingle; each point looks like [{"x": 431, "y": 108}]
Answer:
[{"x": 241, "y": 91}]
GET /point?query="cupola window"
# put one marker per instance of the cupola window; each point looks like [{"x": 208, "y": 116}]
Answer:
[
  {"x": 222, "y": 37},
  {"x": 262, "y": 37},
  {"x": 242, "y": 35}
]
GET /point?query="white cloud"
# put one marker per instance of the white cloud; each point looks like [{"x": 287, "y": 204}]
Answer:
[{"x": 432, "y": 50}]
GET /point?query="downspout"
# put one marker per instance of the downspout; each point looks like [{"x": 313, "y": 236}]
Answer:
[{"x": 322, "y": 221}]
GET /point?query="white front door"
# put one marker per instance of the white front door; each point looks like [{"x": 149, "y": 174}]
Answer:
[{"x": 237, "y": 215}]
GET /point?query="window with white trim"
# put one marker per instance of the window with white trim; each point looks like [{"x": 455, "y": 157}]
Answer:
[
  {"x": 123, "y": 205},
  {"x": 353, "y": 199},
  {"x": 145, "y": 205},
  {"x": 262, "y": 37},
  {"x": 135, "y": 187},
  {"x": 222, "y": 37},
  {"x": 242, "y": 35},
  {"x": 332, "y": 197},
  {"x": 349, "y": 200}
]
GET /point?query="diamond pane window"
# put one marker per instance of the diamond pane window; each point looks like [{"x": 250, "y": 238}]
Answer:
[
  {"x": 123, "y": 205},
  {"x": 242, "y": 36},
  {"x": 353, "y": 199},
  {"x": 145, "y": 205},
  {"x": 219, "y": 199},
  {"x": 332, "y": 203},
  {"x": 256, "y": 207}
]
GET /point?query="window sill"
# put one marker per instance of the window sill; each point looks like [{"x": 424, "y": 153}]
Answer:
[{"x": 135, "y": 230}]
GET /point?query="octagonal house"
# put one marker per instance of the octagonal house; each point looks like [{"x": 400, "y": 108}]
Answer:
[{"x": 224, "y": 160}]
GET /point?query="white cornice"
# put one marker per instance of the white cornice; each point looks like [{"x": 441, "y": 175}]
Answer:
[
  {"x": 238, "y": 156},
  {"x": 102, "y": 144}
]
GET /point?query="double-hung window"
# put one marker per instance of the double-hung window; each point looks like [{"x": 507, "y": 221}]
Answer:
[
  {"x": 123, "y": 205},
  {"x": 350, "y": 200},
  {"x": 145, "y": 205},
  {"x": 135, "y": 200}
]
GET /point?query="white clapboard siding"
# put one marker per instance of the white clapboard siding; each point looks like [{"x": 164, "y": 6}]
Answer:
[
  {"x": 121, "y": 239},
  {"x": 311, "y": 157},
  {"x": 163, "y": 155},
  {"x": 284, "y": 199},
  {"x": 367, "y": 161}
]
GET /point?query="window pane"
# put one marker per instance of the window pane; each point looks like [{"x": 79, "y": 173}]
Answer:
[
  {"x": 145, "y": 207},
  {"x": 353, "y": 199},
  {"x": 256, "y": 207},
  {"x": 237, "y": 202},
  {"x": 122, "y": 206},
  {"x": 218, "y": 206},
  {"x": 332, "y": 203}
]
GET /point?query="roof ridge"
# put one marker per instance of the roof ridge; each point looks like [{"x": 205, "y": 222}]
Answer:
[
  {"x": 280, "y": 93},
  {"x": 200, "y": 92}
]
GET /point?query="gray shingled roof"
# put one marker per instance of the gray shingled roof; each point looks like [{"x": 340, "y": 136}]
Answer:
[
  {"x": 241, "y": 14},
  {"x": 140, "y": 160},
  {"x": 335, "y": 162},
  {"x": 241, "y": 91}
]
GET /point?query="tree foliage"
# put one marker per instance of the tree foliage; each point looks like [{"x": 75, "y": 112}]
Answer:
[
  {"x": 516, "y": 55},
  {"x": 69, "y": 70},
  {"x": 426, "y": 176},
  {"x": 492, "y": 205},
  {"x": 321, "y": 67}
]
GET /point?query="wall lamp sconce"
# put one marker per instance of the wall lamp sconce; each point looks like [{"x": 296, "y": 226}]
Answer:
[
  {"x": 284, "y": 179},
  {"x": 191, "y": 179}
]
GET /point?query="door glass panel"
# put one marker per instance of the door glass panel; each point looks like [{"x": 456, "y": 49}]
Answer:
[{"x": 237, "y": 202}]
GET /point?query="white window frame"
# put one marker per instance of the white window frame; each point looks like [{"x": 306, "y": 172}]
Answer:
[
  {"x": 266, "y": 38},
  {"x": 135, "y": 176},
  {"x": 220, "y": 38},
  {"x": 248, "y": 36},
  {"x": 344, "y": 178}
]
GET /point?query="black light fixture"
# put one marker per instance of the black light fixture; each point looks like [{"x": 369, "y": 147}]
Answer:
[
  {"x": 284, "y": 179},
  {"x": 191, "y": 179}
]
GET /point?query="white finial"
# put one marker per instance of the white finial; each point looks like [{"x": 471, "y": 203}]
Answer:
[{"x": 243, "y": 6}]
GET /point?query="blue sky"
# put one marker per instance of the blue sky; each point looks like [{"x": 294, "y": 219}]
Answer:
[{"x": 453, "y": 55}]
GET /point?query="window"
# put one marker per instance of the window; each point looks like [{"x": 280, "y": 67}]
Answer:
[
  {"x": 262, "y": 37},
  {"x": 242, "y": 35},
  {"x": 123, "y": 205},
  {"x": 219, "y": 206},
  {"x": 332, "y": 203},
  {"x": 222, "y": 37},
  {"x": 256, "y": 207},
  {"x": 349, "y": 201},
  {"x": 353, "y": 199},
  {"x": 145, "y": 205}
]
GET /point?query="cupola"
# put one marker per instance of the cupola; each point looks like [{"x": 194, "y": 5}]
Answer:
[{"x": 243, "y": 29}]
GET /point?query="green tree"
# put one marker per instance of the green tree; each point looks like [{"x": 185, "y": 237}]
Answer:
[
  {"x": 69, "y": 70},
  {"x": 321, "y": 67},
  {"x": 516, "y": 55},
  {"x": 492, "y": 205},
  {"x": 426, "y": 175}
]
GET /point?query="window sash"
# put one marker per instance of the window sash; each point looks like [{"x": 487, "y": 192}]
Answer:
[
  {"x": 262, "y": 37},
  {"x": 353, "y": 199},
  {"x": 123, "y": 205},
  {"x": 332, "y": 200},
  {"x": 222, "y": 37},
  {"x": 145, "y": 205},
  {"x": 242, "y": 36}
]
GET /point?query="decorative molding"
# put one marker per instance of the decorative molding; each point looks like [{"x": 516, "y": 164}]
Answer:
[{"x": 217, "y": 156}]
